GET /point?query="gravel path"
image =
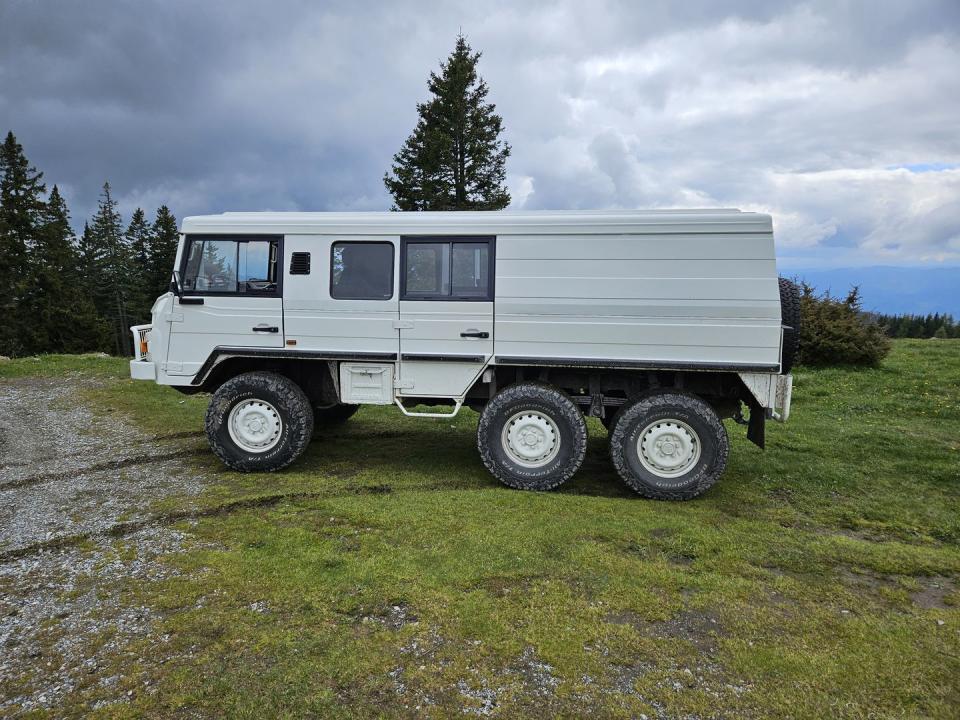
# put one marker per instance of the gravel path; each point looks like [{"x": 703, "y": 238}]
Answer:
[{"x": 66, "y": 474}]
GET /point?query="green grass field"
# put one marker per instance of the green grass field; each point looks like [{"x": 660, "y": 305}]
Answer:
[{"x": 386, "y": 574}]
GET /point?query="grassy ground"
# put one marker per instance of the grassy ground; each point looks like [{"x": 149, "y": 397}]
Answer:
[{"x": 387, "y": 574}]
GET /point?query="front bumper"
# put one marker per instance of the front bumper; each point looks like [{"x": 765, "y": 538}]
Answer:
[
  {"x": 142, "y": 367},
  {"x": 143, "y": 370}
]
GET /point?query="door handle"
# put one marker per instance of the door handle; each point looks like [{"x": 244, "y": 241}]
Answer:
[
  {"x": 266, "y": 328},
  {"x": 191, "y": 301},
  {"x": 475, "y": 334}
]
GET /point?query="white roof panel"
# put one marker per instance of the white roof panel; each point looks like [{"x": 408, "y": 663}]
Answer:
[{"x": 503, "y": 222}]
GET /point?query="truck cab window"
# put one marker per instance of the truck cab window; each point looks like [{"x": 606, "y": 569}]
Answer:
[
  {"x": 231, "y": 266},
  {"x": 361, "y": 271},
  {"x": 257, "y": 262}
]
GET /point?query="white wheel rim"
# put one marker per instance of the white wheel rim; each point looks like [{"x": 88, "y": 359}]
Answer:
[
  {"x": 255, "y": 425},
  {"x": 668, "y": 448},
  {"x": 531, "y": 438}
]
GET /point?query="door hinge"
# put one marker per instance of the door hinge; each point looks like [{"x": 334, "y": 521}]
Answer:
[
  {"x": 171, "y": 367},
  {"x": 403, "y": 325},
  {"x": 173, "y": 317},
  {"x": 403, "y": 385}
]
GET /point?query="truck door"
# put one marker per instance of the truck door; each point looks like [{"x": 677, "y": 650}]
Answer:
[
  {"x": 339, "y": 296},
  {"x": 446, "y": 314},
  {"x": 232, "y": 297}
]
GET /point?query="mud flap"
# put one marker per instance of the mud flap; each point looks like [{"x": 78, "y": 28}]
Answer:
[{"x": 756, "y": 428}]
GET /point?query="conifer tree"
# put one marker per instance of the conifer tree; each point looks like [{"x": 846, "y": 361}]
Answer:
[
  {"x": 163, "y": 251},
  {"x": 62, "y": 316},
  {"x": 138, "y": 240},
  {"x": 455, "y": 159},
  {"x": 112, "y": 286},
  {"x": 21, "y": 210},
  {"x": 88, "y": 257}
]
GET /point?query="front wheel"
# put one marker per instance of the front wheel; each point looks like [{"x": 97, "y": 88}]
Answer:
[
  {"x": 532, "y": 436},
  {"x": 669, "y": 446},
  {"x": 259, "y": 422}
]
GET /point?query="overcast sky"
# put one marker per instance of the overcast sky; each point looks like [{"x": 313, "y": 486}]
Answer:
[{"x": 840, "y": 118}]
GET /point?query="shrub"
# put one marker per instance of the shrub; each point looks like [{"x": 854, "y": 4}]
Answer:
[{"x": 835, "y": 331}]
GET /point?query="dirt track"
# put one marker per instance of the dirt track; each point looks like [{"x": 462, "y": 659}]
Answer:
[{"x": 75, "y": 491}]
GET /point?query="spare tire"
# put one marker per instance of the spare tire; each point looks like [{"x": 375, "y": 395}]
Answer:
[{"x": 790, "y": 319}]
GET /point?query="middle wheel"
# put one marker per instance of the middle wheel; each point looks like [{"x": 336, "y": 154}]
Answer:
[{"x": 532, "y": 436}]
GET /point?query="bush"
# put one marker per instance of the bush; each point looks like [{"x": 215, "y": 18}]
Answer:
[{"x": 835, "y": 331}]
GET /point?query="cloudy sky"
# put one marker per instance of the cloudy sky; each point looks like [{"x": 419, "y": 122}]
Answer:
[{"x": 840, "y": 118}]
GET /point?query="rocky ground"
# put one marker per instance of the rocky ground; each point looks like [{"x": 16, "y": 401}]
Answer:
[{"x": 75, "y": 525}]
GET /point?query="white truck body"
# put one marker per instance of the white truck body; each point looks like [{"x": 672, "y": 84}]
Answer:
[
  {"x": 692, "y": 290},
  {"x": 421, "y": 307}
]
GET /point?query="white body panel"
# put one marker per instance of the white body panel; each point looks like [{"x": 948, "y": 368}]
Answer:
[
  {"x": 220, "y": 321},
  {"x": 431, "y": 331},
  {"x": 315, "y": 321},
  {"x": 685, "y": 288},
  {"x": 681, "y": 298}
]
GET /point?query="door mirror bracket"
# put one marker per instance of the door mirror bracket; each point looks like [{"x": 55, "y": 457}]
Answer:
[{"x": 176, "y": 286}]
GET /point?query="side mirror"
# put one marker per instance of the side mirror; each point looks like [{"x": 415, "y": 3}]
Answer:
[{"x": 176, "y": 286}]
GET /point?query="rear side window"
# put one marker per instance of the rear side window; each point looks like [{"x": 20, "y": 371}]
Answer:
[
  {"x": 447, "y": 268},
  {"x": 232, "y": 266},
  {"x": 428, "y": 269},
  {"x": 470, "y": 269},
  {"x": 361, "y": 271}
]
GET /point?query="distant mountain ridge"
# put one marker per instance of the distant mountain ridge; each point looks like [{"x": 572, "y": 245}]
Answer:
[{"x": 892, "y": 290}]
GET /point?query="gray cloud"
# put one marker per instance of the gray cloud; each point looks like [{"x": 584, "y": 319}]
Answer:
[{"x": 805, "y": 110}]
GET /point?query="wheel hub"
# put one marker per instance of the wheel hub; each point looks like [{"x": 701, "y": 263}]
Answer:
[
  {"x": 254, "y": 425},
  {"x": 668, "y": 448},
  {"x": 531, "y": 439}
]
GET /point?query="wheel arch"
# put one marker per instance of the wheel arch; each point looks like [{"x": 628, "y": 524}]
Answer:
[{"x": 316, "y": 377}]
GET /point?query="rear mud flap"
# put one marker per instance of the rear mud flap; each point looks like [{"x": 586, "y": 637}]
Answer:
[{"x": 756, "y": 428}]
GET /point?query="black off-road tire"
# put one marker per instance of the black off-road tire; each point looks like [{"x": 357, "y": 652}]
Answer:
[
  {"x": 333, "y": 415},
  {"x": 290, "y": 402},
  {"x": 711, "y": 435},
  {"x": 536, "y": 398},
  {"x": 790, "y": 317}
]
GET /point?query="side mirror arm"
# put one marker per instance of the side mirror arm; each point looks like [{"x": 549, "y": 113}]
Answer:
[{"x": 176, "y": 286}]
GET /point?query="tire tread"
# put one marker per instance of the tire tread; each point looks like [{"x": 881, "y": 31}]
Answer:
[
  {"x": 296, "y": 405},
  {"x": 790, "y": 316},
  {"x": 567, "y": 409},
  {"x": 642, "y": 405}
]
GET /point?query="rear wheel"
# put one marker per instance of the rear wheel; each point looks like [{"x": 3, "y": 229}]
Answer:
[
  {"x": 669, "y": 446},
  {"x": 259, "y": 422},
  {"x": 532, "y": 437}
]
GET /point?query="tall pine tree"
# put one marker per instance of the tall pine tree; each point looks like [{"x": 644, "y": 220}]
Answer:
[
  {"x": 455, "y": 159},
  {"x": 62, "y": 316},
  {"x": 21, "y": 213},
  {"x": 139, "y": 238},
  {"x": 163, "y": 250},
  {"x": 114, "y": 283}
]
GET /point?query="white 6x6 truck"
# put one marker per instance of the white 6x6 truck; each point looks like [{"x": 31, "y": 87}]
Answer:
[{"x": 660, "y": 324}]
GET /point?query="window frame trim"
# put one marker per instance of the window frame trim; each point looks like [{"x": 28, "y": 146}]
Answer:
[
  {"x": 489, "y": 240},
  {"x": 393, "y": 269},
  {"x": 191, "y": 238}
]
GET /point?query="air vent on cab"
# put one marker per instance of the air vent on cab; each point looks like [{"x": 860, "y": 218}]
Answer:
[{"x": 300, "y": 263}]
